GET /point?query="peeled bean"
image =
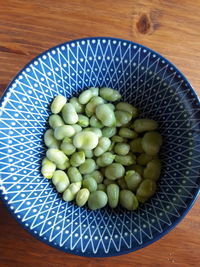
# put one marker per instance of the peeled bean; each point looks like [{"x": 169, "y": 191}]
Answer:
[
  {"x": 144, "y": 125},
  {"x": 106, "y": 115},
  {"x": 106, "y": 159},
  {"x": 151, "y": 143},
  {"x": 69, "y": 114},
  {"x": 127, "y": 160},
  {"x": 102, "y": 147},
  {"x": 146, "y": 189},
  {"x": 124, "y": 106},
  {"x": 56, "y": 155},
  {"x": 58, "y": 103},
  {"x": 63, "y": 166},
  {"x": 94, "y": 122},
  {"x": 83, "y": 120},
  {"x": 101, "y": 187},
  {"x": 91, "y": 106},
  {"x": 138, "y": 168},
  {"x": 77, "y": 128},
  {"x": 94, "y": 90},
  {"x": 70, "y": 193},
  {"x": 77, "y": 105},
  {"x": 87, "y": 167},
  {"x": 111, "y": 146},
  {"x": 49, "y": 139},
  {"x": 133, "y": 179},
  {"x": 77, "y": 159},
  {"x": 109, "y": 94},
  {"x": 97, "y": 175},
  {"x": 122, "y": 117},
  {"x": 111, "y": 106},
  {"x": 121, "y": 149},
  {"x": 67, "y": 147},
  {"x": 128, "y": 200},
  {"x": 109, "y": 131},
  {"x": 60, "y": 180},
  {"x": 90, "y": 184},
  {"x": 74, "y": 175},
  {"x": 122, "y": 183},
  {"x": 136, "y": 145},
  {"x": 94, "y": 130},
  {"x": 63, "y": 131},
  {"x": 88, "y": 153},
  {"x": 118, "y": 139},
  {"x": 113, "y": 195},
  {"x": 143, "y": 159},
  {"x": 48, "y": 168},
  {"x": 152, "y": 170},
  {"x": 114, "y": 171},
  {"x": 55, "y": 121},
  {"x": 85, "y": 97},
  {"x": 127, "y": 133},
  {"x": 97, "y": 200},
  {"x": 82, "y": 197},
  {"x": 85, "y": 140}
]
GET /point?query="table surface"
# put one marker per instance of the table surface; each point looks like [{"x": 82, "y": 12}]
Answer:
[{"x": 171, "y": 27}]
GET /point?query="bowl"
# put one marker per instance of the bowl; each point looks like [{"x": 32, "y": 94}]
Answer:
[{"x": 145, "y": 79}]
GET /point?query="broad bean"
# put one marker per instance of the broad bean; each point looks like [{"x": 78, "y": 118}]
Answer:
[
  {"x": 133, "y": 179},
  {"x": 70, "y": 193},
  {"x": 90, "y": 184},
  {"x": 56, "y": 155},
  {"x": 124, "y": 106},
  {"x": 77, "y": 105},
  {"x": 91, "y": 106},
  {"x": 67, "y": 147},
  {"x": 144, "y": 125},
  {"x": 114, "y": 171},
  {"x": 82, "y": 197},
  {"x": 146, "y": 189},
  {"x": 128, "y": 200},
  {"x": 106, "y": 115},
  {"x": 151, "y": 143},
  {"x": 109, "y": 131},
  {"x": 122, "y": 183},
  {"x": 55, "y": 121},
  {"x": 113, "y": 195},
  {"x": 58, "y": 103},
  {"x": 85, "y": 140},
  {"x": 77, "y": 128},
  {"x": 94, "y": 122},
  {"x": 127, "y": 133},
  {"x": 69, "y": 114},
  {"x": 74, "y": 175},
  {"x": 77, "y": 158},
  {"x": 143, "y": 159},
  {"x": 106, "y": 159},
  {"x": 63, "y": 166},
  {"x": 48, "y": 168},
  {"x": 152, "y": 170},
  {"x": 126, "y": 160},
  {"x": 122, "y": 117},
  {"x": 49, "y": 139},
  {"x": 87, "y": 167},
  {"x": 109, "y": 94},
  {"x": 60, "y": 180},
  {"x": 63, "y": 131},
  {"x": 85, "y": 97},
  {"x": 136, "y": 145},
  {"x": 97, "y": 200},
  {"x": 97, "y": 131},
  {"x": 122, "y": 149},
  {"x": 102, "y": 147},
  {"x": 101, "y": 187}
]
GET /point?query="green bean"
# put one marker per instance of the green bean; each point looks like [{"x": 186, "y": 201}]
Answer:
[
  {"x": 88, "y": 153},
  {"x": 113, "y": 195},
  {"x": 90, "y": 184},
  {"x": 83, "y": 120},
  {"x": 109, "y": 131},
  {"x": 127, "y": 133},
  {"x": 118, "y": 139},
  {"x": 70, "y": 193},
  {"x": 94, "y": 90},
  {"x": 85, "y": 97},
  {"x": 152, "y": 170},
  {"x": 146, "y": 189},
  {"x": 58, "y": 103},
  {"x": 101, "y": 187},
  {"x": 122, "y": 117},
  {"x": 128, "y": 200},
  {"x": 77, "y": 128},
  {"x": 49, "y": 139},
  {"x": 60, "y": 180},
  {"x": 121, "y": 149},
  {"x": 74, "y": 175},
  {"x": 69, "y": 114},
  {"x": 85, "y": 140},
  {"x": 55, "y": 121},
  {"x": 151, "y": 143},
  {"x": 91, "y": 106},
  {"x": 114, "y": 171},
  {"x": 48, "y": 168},
  {"x": 87, "y": 167},
  {"x": 138, "y": 168},
  {"x": 124, "y": 106},
  {"x": 133, "y": 179},
  {"x": 67, "y": 147},
  {"x": 94, "y": 130},
  {"x": 97, "y": 175},
  {"x": 106, "y": 115},
  {"x": 122, "y": 183},
  {"x": 63, "y": 166},
  {"x": 106, "y": 159},
  {"x": 143, "y": 159},
  {"x": 107, "y": 182},
  {"x": 97, "y": 200},
  {"x": 102, "y": 147},
  {"x": 109, "y": 94},
  {"x": 77, "y": 105},
  {"x": 94, "y": 122},
  {"x": 127, "y": 160},
  {"x": 82, "y": 197},
  {"x": 143, "y": 125},
  {"x": 56, "y": 155},
  {"x": 136, "y": 145},
  {"x": 63, "y": 131},
  {"x": 77, "y": 158}
]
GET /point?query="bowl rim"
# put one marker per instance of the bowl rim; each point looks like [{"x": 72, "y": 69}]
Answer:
[{"x": 126, "y": 251}]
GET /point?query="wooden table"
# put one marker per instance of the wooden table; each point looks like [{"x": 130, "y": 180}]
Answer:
[{"x": 171, "y": 27}]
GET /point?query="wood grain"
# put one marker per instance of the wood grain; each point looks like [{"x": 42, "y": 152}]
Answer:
[{"x": 171, "y": 27}]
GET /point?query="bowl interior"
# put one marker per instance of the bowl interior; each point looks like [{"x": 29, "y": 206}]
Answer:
[{"x": 146, "y": 80}]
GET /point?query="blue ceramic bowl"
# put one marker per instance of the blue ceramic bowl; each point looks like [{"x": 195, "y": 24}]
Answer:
[{"x": 145, "y": 79}]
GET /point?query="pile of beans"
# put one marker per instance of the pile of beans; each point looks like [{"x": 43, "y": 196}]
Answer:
[{"x": 101, "y": 153}]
